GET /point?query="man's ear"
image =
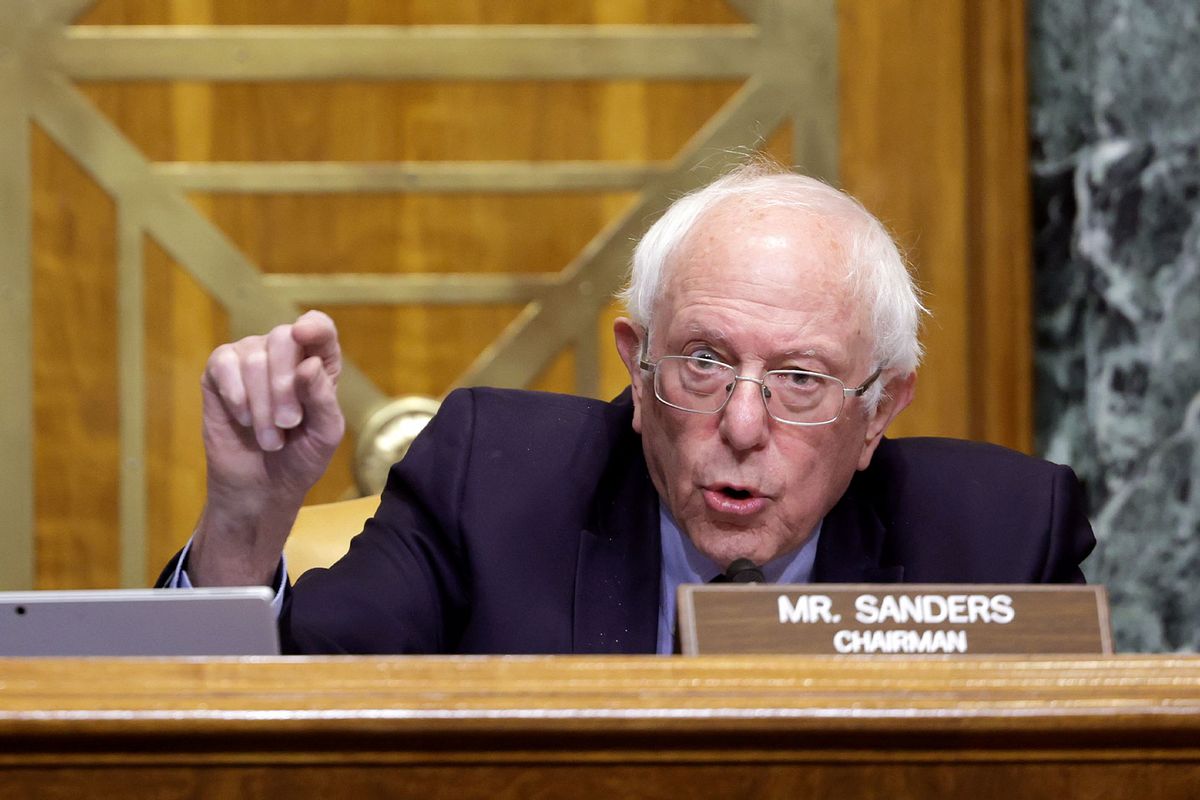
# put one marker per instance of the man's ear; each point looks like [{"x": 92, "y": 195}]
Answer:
[
  {"x": 629, "y": 344},
  {"x": 897, "y": 395}
]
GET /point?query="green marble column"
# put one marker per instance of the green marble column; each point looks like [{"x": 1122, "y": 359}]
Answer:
[{"x": 1115, "y": 124}]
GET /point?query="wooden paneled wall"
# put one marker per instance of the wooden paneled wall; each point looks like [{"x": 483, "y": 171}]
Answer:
[
  {"x": 932, "y": 140},
  {"x": 933, "y": 137}
]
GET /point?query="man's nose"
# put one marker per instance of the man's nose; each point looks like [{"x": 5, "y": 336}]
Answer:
[{"x": 744, "y": 420}]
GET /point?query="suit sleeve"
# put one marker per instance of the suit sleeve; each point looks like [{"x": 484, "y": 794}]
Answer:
[
  {"x": 1070, "y": 537},
  {"x": 401, "y": 588}
]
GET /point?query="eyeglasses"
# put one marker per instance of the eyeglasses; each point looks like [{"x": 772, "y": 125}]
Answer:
[{"x": 791, "y": 396}]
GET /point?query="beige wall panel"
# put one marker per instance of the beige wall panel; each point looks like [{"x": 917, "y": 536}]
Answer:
[
  {"x": 76, "y": 464},
  {"x": 181, "y": 323},
  {"x": 1001, "y": 214},
  {"x": 409, "y": 12},
  {"x": 561, "y": 372},
  {"x": 934, "y": 140},
  {"x": 903, "y": 155},
  {"x": 459, "y": 233},
  {"x": 147, "y": 12},
  {"x": 422, "y": 121}
]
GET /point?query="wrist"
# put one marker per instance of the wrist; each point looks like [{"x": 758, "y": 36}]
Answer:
[{"x": 239, "y": 545}]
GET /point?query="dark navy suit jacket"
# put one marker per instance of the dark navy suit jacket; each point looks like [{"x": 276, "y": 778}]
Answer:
[{"x": 522, "y": 522}]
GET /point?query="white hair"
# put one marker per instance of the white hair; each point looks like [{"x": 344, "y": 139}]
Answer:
[{"x": 874, "y": 267}]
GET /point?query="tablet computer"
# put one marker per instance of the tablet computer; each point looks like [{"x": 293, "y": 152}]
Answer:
[{"x": 139, "y": 622}]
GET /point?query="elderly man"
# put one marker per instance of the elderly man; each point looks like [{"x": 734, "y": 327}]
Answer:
[{"x": 771, "y": 339}]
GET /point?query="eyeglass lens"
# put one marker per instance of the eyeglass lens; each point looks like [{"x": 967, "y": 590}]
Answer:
[{"x": 697, "y": 384}]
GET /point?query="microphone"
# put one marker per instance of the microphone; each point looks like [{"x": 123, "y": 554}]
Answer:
[{"x": 743, "y": 570}]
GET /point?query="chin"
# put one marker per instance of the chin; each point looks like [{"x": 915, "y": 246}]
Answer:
[{"x": 724, "y": 545}]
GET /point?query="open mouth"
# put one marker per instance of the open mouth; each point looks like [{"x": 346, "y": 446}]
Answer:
[{"x": 735, "y": 501}]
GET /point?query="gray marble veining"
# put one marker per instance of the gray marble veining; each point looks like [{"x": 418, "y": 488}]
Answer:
[{"x": 1115, "y": 123}]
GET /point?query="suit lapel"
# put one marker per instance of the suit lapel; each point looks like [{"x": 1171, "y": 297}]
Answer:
[
  {"x": 619, "y": 569},
  {"x": 852, "y": 544}
]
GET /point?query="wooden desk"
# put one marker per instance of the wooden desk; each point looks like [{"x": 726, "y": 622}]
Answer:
[{"x": 843, "y": 727}]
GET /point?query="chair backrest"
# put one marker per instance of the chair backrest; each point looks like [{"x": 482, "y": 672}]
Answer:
[{"x": 322, "y": 533}]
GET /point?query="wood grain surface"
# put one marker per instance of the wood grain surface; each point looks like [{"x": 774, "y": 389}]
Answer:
[
  {"x": 825, "y": 619},
  {"x": 643, "y": 726}
]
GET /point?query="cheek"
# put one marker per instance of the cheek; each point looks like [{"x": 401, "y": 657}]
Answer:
[
  {"x": 673, "y": 442},
  {"x": 808, "y": 458},
  {"x": 850, "y": 442},
  {"x": 826, "y": 462}
]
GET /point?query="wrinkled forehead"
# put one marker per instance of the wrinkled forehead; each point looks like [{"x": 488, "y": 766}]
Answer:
[{"x": 795, "y": 258}]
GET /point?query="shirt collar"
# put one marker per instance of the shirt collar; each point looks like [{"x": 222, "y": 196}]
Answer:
[{"x": 683, "y": 563}]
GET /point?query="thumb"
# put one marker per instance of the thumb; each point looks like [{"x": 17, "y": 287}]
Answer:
[
  {"x": 315, "y": 390},
  {"x": 315, "y": 332}
]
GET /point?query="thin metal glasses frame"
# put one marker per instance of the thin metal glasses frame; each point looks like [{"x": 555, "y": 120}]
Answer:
[{"x": 764, "y": 390}]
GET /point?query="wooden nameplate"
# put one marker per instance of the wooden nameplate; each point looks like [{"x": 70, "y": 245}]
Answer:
[{"x": 904, "y": 619}]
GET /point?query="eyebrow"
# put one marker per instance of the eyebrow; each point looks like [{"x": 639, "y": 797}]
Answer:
[
  {"x": 831, "y": 359},
  {"x": 713, "y": 335},
  {"x": 831, "y": 362}
]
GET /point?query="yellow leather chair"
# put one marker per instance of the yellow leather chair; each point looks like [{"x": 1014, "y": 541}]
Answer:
[{"x": 322, "y": 533}]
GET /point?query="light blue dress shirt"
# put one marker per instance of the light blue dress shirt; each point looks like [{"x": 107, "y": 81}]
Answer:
[
  {"x": 683, "y": 563},
  {"x": 179, "y": 578}
]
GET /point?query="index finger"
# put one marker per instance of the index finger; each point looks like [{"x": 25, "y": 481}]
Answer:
[{"x": 316, "y": 333}]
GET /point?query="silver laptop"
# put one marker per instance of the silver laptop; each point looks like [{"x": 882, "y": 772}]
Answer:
[{"x": 139, "y": 622}]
